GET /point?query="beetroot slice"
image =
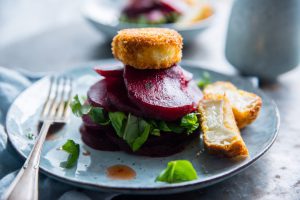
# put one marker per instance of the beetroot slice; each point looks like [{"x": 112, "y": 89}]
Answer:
[
  {"x": 161, "y": 94},
  {"x": 97, "y": 95},
  {"x": 88, "y": 122},
  {"x": 174, "y": 5},
  {"x": 97, "y": 139},
  {"x": 187, "y": 75},
  {"x": 195, "y": 93},
  {"x": 117, "y": 96},
  {"x": 112, "y": 71},
  {"x": 157, "y": 146}
]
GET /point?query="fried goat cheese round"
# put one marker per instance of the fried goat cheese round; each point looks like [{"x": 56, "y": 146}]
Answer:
[{"x": 148, "y": 48}]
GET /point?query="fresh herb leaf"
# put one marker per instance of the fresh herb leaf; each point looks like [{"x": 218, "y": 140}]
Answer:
[
  {"x": 204, "y": 80},
  {"x": 144, "y": 128},
  {"x": 131, "y": 130},
  {"x": 30, "y": 136},
  {"x": 142, "y": 20},
  {"x": 98, "y": 116},
  {"x": 155, "y": 132},
  {"x": 163, "y": 126},
  {"x": 178, "y": 171},
  {"x": 154, "y": 128},
  {"x": 73, "y": 149},
  {"x": 190, "y": 122},
  {"x": 175, "y": 127},
  {"x": 78, "y": 107},
  {"x": 118, "y": 121},
  {"x": 170, "y": 127}
]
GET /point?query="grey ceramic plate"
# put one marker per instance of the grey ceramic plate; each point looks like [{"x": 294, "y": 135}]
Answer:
[
  {"x": 90, "y": 171},
  {"x": 104, "y": 16}
]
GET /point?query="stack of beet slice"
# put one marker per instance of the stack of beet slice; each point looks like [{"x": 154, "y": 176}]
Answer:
[
  {"x": 166, "y": 95},
  {"x": 153, "y": 10}
]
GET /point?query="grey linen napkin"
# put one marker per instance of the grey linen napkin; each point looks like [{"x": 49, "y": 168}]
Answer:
[{"x": 12, "y": 84}]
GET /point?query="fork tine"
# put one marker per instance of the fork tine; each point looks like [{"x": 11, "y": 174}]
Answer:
[
  {"x": 48, "y": 101},
  {"x": 59, "y": 97},
  {"x": 61, "y": 104},
  {"x": 55, "y": 102},
  {"x": 69, "y": 98}
]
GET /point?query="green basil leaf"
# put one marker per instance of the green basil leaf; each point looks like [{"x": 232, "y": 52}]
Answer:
[
  {"x": 30, "y": 136},
  {"x": 78, "y": 107},
  {"x": 73, "y": 149},
  {"x": 136, "y": 132},
  {"x": 204, "y": 80},
  {"x": 85, "y": 109},
  {"x": 155, "y": 132},
  {"x": 190, "y": 122},
  {"x": 98, "y": 116},
  {"x": 153, "y": 123},
  {"x": 144, "y": 127},
  {"x": 118, "y": 121},
  {"x": 131, "y": 131},
  {"x": 170, "y": 127},
  {"x": 142, "y": 20},
  {"x": 163, "y": 126},
  {"x": 178, "y": 171},
  {"x": 176, "y": 128},
  {"x": 154, "y": 127}
]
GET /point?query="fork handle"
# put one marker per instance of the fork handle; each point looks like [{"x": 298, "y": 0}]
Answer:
[{"x": 25, "y": 185}]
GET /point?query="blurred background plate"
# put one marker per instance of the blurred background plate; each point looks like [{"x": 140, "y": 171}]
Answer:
[{"x": 104, "y": 16}]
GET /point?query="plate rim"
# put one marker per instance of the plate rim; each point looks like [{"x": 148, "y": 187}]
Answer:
[
  {"x": 202, "y": 24},
  {"x": 166, "y": 189}
]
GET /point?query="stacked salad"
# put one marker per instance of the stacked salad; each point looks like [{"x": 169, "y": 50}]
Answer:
[
  {"x": 153, "y": 11},
  {"x": 147, "y": 112}
]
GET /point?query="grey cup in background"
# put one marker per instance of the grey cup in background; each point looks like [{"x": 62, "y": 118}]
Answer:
[{"x": 263, "y": 37}]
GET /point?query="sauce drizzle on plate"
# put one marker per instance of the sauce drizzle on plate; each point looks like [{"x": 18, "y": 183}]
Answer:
[{"x": 120, "y": 172}]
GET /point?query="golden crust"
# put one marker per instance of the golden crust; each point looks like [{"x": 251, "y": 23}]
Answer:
[
  {"x": 148, "y": 48},
  {"x": 247, "y": 116},
  {"x": 236, "y": 150},
  {"x": 245, "y": 105},
  {"x": 231, "y": 143}
]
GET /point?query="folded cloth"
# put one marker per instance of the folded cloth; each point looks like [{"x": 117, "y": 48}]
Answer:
[{"x": 11, "y": 84}]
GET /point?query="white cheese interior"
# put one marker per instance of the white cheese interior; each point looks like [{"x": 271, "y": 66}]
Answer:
[
  {"x": 217, "y": 133},
  {"x": 239, "y": 101}
]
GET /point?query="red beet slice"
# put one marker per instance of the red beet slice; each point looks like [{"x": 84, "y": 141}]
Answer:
[
  {"x": 88, "y": 122},
  {"x": 162, "y": 94},
  {"x": 97, "y": 95},
  {"x": 174, "y": 5},
  {"x": 195, "y": 92},
  {"x": 157, "y": 146},
  {"x": 188, "y": 75},
  {"x": 118, "y": 98},
  {"x": 97, "y": 139},
  {"x": 137, "y": 7},
  {"x": 112, "y": 71}
]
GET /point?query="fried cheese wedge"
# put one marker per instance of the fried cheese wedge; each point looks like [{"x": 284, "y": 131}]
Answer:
[
  {"x": 148, "y": 48},
  {"x": 245, "y": 105},
  {"x": 220, "y": 132}
]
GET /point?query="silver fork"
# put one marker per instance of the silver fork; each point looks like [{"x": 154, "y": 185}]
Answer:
[{"x": 55, "y": 110}]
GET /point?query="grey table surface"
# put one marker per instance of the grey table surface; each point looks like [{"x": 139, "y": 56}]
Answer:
[{"x": 43, "y": 36}]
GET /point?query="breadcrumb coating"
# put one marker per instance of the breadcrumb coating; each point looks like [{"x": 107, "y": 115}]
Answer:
[
  {"x": 148, "y": 48},
  {"x": 246, "y": 106},
  {"x": 220, "y": 132}
]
